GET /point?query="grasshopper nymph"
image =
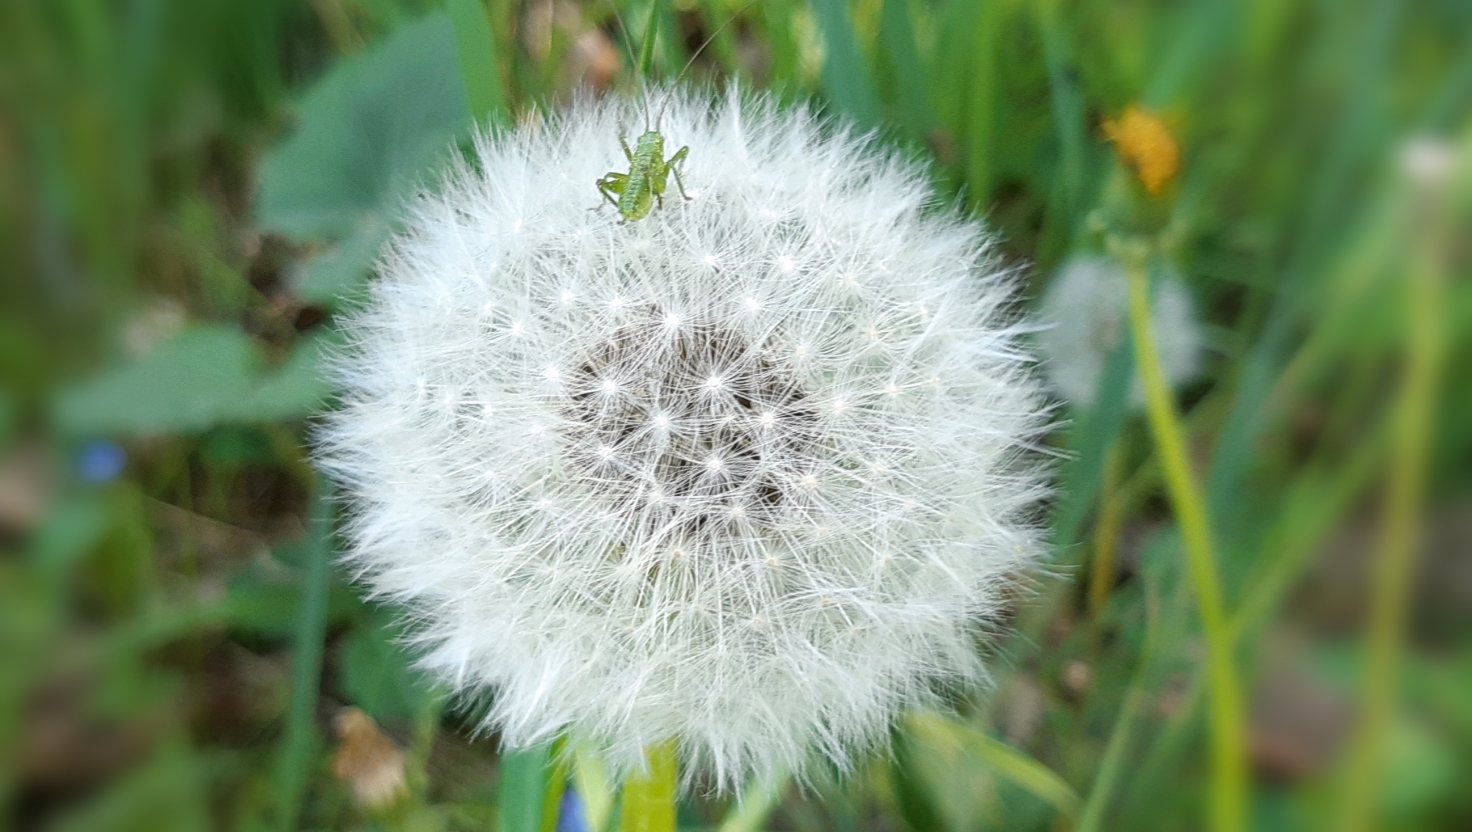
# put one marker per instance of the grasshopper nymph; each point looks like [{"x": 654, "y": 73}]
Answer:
[
  {"x": 636, "y": 193},
  {"x": 644, "y": 185}
]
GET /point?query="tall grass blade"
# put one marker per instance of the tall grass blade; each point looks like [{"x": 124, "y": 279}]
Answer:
[
  {"x": 476, "y": 48},
  {"x": 1012, "y": 764},
  {"x": 845, "y": 77},
  {"x": 301, "y": 741}
]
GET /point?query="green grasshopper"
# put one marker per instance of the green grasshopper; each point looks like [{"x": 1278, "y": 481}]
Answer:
[
  {"x": 644, "y": 185},
  {"x": 636, "y": 192}
]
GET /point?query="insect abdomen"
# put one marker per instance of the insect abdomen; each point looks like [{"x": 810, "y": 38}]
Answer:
[{"x": 638, "y": 196}]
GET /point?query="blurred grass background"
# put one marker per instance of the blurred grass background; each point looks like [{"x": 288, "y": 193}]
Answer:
[{"x": 189, "y": 189}]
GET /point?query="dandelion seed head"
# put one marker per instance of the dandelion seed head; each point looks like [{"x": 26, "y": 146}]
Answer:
[
  {"x": 1086, "y": 312},
  {"x": 678, "y": 538}
]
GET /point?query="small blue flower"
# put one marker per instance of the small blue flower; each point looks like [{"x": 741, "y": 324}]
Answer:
[
  {"x": 571, "y": 816},
  {"x": 100, "y": 461}
]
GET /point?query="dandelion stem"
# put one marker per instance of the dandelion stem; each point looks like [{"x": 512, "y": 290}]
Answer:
[
  {"x": 649, "y": 797},
  {"x": 1228, "y": 751},
  {"x": 1395, "y": 555},
  {"x": 1106, "y": 531}
]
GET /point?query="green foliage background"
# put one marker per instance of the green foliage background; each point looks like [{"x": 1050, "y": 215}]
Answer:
[{"x": 188, "y": 190}]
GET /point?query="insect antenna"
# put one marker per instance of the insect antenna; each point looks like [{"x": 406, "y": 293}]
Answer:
[
  {"x": 646, "y": 52},
  {"x": 696, "y": 54}
]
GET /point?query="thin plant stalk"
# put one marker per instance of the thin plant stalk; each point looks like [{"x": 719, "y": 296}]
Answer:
[
  {"x": 1228, "y": 750},
  {"x": 1106, "y": 531},
  {"x": 1395, "y": 554}
]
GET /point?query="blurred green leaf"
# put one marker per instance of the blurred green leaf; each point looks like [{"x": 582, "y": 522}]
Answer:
[
  {"x": 167, "y": 793},
  {"x": 377, "y": 675},
  {"x": 204, "y": 376},
  {"x": 912, "y": 799},
  {"x": 67, "y": 533},
  {"x": 897, "y": 37},
  {"x": 182, "y": 385},
  {"x": 649, "y": 796},
  {"x": 297, "y": 388},
  {"x": 338, "y": 273},
  {"x": 369, "y": 133},
  {"x": 1418, "y": 770}
]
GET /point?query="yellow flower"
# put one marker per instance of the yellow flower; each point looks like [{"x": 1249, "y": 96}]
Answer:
[{"x": 1145, "y": 144}]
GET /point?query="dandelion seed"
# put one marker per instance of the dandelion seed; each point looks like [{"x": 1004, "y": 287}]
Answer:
[{"x": 694, "y": 414}]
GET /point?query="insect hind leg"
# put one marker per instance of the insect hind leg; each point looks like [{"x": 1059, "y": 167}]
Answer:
[
  {"x": 672, "y": 164},
  {"x": 611, "y": 185}
]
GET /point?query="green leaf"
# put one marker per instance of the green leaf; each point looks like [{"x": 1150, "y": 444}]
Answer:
[
  {"x": 982, "y": 104},
  {"x": 378, "y": 675},
  {"x": 754, "y": 805},
  {"x": 68, "y": 533},
  {"x": 1090, "y": 441},
  {"x": 340, "y": 272},
  {"x": 897, "y": 37},
  {"x": 369, "y": 133},
  {"x": 183, "y": 385},
  {"x": 297, "y": 388},
  {"x": 593, "y": 786},
  {"x": 202, "y": 377}
]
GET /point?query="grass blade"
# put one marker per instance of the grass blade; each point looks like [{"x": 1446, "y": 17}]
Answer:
[
  {"x": 845, "y": 78},
  {"x": 981, "y": 107},
  {"x": 1016, "y": 766},
  {"x": 300, "y": 744},
  {"x": 475, "y": 47},
  {"x": 897, "y": 37},
  {"x": 524, "y": 778},
  {"x": 753, "y": 807},
  {"x": 1395, "y": 554}
]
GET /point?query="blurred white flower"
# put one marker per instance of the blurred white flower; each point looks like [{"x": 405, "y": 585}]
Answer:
[
  {"x": 752, "y": 473},
  {"x": 1086, "y": 311}
]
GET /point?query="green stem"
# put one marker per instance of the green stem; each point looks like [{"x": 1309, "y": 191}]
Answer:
[
  {"x": 649, "y": 797},
  {"x": 1228, "y": 757},
  {"x": 1395, "y": 556},
  {"x": 1106, "y": 531}
]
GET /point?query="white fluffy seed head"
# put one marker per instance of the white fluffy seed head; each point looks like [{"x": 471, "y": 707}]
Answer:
[
  {"x": 751, "y": 473},
  {"x": 1085, "y": 312}
]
